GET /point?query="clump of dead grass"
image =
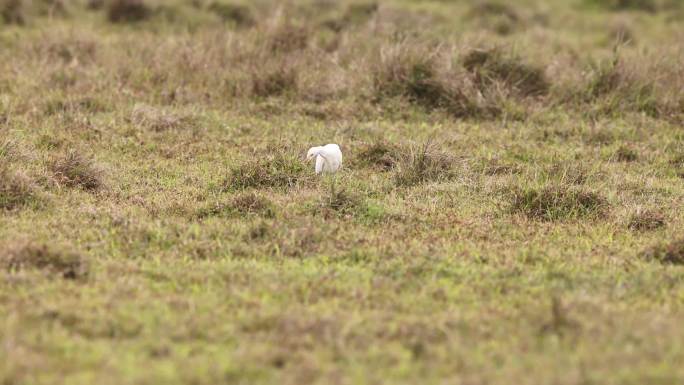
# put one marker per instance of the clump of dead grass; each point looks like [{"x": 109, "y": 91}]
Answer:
[
  {"x": 8, "y": 150},
  {"x": 356, "y": 14},
  {"x": 239, "y": 15},
  {"x": 412, "y": 74},
  {"x": 53, "y": 260},
  {"x": 415, "y": 74},
  {"x": 567, "y": 172},
  {"x": 16, "y": 189},
  {"x": 626, "y": 153},
  {"x": 380, "y": 155},
  {"x": 128, "y": 11},
  {"x": 677, "y": 163},
  {"x": 646, "y": 220},
  {"x": 559, "y": 202},
  {"x": 497, "y": 166},
  {"x": 502, "y": 18},
  {"x": 95, "y": 5},
  {"x": 74, "y": 169},
  {"x": 344, "y": 201},
  {"x": 671, "y": 253},
  {"x": 287, "y": 37},
  {"x": 677, "y": 160},
  {"x": 494, "y": 65},
  {"x": 13, "y": 12},
  {"x": 613, "y": 87},
  {"x": 424, "y": 164},
  {"x": 278, "y": 81},
  {"x": 298, "y": 242},
  {"x": 625, "y": 5}
]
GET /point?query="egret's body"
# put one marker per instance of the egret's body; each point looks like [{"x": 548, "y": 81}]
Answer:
[{"x": 328, "y": 158}]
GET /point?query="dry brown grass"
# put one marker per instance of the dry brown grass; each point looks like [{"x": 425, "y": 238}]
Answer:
[
  {"x": 16, "y": 189},
  {"x": 53, "y": 260},
  {"x": 381, "y": 155},
  {"x": 671, "y": 253},
  {"x": 240, "y": 15},
  {"x": 646, "y": 220},
  {"x": 494, "y": 65},
  {"x": 284, "y": 57},
  {"x": 626, "y": 153},
  {"x": 128, "y": 11},
  {"x": 279, "y": 81},
  {"x": 623, "y": 84},
  {"x": 424, "y": 77},
  {"x": 496, "y": 166},
  {"x": 424, "y": 164},
  {"x": 496, "y": 15},
  {"x": 73, "y": 169},
  {"x": 13, "y": 12}
]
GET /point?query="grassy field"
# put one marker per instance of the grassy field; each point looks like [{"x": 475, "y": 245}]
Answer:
[{"x": 510, "y": 208}]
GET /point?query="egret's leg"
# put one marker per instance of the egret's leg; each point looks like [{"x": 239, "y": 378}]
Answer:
[{"x": 332, "y": 183}]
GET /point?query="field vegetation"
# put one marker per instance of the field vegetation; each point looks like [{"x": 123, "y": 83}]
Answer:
[{"x": 510, "y": 208}]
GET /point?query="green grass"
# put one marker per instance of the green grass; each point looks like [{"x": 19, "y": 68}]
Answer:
[{"x": 509, "y": 210}]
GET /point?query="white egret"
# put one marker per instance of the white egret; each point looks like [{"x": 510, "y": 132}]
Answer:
[{"x": 328, "y": 158}]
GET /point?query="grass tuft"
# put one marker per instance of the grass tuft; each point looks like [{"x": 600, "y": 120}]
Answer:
[
  {"x": 239, "y": 15},
  {"x": 567, "y": 172},
  {"x": 626, "y": 154},
  {"x": 412, "y": 74},
  {"x": 380, "y": 155},
  {"x": 646, "y": 220},
  {"x": 496, "y": 166},
  {"x": 53, "y": 260},
  {"x": 344, "y": 201},
  {"x": 128, "y": 11},
  {"x": 423, "y": 165},
  {"x": 415, "y": 75},
  {"x": 277, "y": 82},
  {"x": 614, "y": 88},
  {"x": 625, "y": 5},
  {"x": 247, "y": 203},
  {"x": 271, "y": 171},
  {"x": 501, "y": 18},
  {"x": 13, "y": 12},
  {"x": 677, "y": 160},
  {"x": 358, "y": 13},
  {"x": 8, "y": 150},
  {"x": 558, "y": 203},
  {"x": 95, "y": 5},
  {"x": 253, "y": 203},
  {"x": 73, "y": 169},
  {"x": 668, "y": 254},
  {"x": 288, "y": 38},
  {"x": 16, "y": 189},
  {"x": 493, "y": 65}
]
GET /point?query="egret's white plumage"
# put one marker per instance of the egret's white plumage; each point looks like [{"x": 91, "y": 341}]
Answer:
[{"x": 328, "y": 158}]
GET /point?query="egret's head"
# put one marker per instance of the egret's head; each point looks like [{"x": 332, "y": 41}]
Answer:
[{"x": 313, "y": 151}]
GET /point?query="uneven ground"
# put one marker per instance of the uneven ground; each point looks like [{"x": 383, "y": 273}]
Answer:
[{"x": 510, "y": 210}]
